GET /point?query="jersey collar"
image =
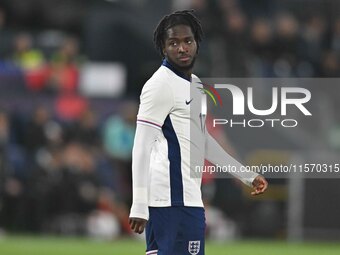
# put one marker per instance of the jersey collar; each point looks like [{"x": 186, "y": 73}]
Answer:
[{"x": 168, "y": 65}]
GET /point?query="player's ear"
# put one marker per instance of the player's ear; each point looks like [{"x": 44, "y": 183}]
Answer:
[{"x": 163, "y": 49}]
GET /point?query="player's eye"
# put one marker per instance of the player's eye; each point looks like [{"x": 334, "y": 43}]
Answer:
[
  {"x": 189, "y": 41},
  {"x": 173, "y": 43}
]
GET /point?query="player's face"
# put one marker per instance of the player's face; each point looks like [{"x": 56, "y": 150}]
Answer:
[{"x": 180, "y": 47}]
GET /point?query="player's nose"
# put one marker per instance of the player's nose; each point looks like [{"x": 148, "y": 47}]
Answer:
[{"x": 182, "y": 48}]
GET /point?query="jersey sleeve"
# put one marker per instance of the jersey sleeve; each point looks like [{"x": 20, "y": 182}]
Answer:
[
  {"x": 156, "y": 102},
  {"x": 145, "y": 138},
  {"x": 218, "y": 156}
]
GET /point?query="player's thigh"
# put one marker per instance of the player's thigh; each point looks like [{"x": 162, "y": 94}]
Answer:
[
  {"x": 151, "y": 244},
  {"x": 192, "y": 236},
  {"x": 163, "y": 229}
]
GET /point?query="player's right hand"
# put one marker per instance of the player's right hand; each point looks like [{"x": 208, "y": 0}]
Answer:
[{"x": 137, "y": 225}]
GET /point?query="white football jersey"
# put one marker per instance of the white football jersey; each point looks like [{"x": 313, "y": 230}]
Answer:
[{"x": 166, "y": 103}]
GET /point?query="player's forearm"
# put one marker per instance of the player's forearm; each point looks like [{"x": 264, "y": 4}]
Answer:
[
  {"x": 218, "y": 156},
  {"x": 143, "y": 143}
]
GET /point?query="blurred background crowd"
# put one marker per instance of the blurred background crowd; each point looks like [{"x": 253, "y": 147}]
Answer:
[{"x": 71, "y": 72}]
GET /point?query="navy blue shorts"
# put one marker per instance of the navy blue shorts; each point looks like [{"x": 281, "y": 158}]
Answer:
[{"x": 175, "y": 231}]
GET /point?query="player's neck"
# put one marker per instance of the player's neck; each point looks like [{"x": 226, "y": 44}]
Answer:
[{"x": 182, "y": 72}]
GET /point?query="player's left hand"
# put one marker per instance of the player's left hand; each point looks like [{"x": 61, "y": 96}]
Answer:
[{"x": 260, "y": 185}]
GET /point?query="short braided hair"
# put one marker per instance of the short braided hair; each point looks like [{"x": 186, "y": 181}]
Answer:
[{"x": 185, "y": 17}]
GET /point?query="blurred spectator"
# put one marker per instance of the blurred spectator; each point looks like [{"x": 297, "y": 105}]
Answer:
[
  {"x": 228, "y": 5},
  {"x": 36, "y": 130},
  {"x": 70, "y": 107},
  {"x": 335, "y": 37},
  {"x": 75, "y": 194},
  {"x": 79, "y": 176},
  {"x": 262, "y": 46},
  {"x": 30, "y": 60},
  {"x": 287, "y": 45},
  {"x": 2, "y": 18},
  {"x": 85, "y": 130},
  {"x": 13, "y": 176},
  {"x": 11, "y": 76},
  {"x": 64, "y": 72},
  {"x": 330, "y": 65},
  {"x": 5, "y": 34},
  {"x": 25, "y": 55},
  {"x": 45, "y": 175},
  {"x": 118, "y": 135},
  {"x": 262, "y": 35},
  {"x": 314, "y": 37},
  {"x": 119, "y": 131},
  {"x": 236, "y": 42},
  {"x": 79, "y": 193}
]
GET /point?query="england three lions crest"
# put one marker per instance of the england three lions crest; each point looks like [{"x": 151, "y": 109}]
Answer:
[{"x": 194, "y": 247}]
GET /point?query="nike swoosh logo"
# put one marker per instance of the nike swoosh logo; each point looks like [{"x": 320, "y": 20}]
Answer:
[{"x": 186, "y": 101}]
